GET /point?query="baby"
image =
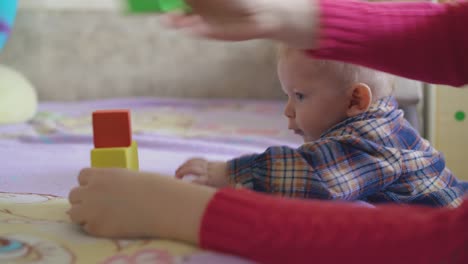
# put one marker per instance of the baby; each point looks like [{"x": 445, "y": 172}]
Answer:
[{"x": 357, "y": 144}]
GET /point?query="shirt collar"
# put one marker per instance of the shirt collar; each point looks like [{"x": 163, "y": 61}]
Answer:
[{"x": 381, "y": 108}]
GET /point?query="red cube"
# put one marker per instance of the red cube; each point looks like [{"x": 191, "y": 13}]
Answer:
[{"x": 112, "y": 128}]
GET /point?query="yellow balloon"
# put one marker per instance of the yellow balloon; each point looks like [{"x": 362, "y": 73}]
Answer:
[{"x": 18, "y": 98}]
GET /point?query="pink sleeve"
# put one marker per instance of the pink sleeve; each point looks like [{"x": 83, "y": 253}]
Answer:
[
  {"x": 417, "y": 40},
  {"x": 271, "y": 229}
]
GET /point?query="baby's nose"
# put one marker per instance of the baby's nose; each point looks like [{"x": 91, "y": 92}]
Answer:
[{"x": 289, "y": 111}]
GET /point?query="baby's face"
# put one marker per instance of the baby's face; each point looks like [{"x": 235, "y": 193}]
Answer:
[{"x": 316, "y": 99}]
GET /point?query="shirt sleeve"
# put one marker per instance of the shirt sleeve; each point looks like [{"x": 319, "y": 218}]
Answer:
[
  {"x": 348, "y": 169},
  {"x": 418, "y": 40},
  {"x": 270, "y": 229}
]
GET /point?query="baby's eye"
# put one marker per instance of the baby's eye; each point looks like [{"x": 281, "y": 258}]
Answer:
[{"x": 299, "y": 96}]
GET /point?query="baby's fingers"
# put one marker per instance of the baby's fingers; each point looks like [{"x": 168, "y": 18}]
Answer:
[
  {"x": 196, "y": 169},
  {"x": 201, "y": 181}
]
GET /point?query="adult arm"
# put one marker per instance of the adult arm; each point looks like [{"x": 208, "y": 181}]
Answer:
[
  {"x": 417, "y": 40},
  {"x": 270, "y": 229}
]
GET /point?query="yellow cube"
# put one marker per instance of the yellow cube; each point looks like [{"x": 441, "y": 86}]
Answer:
[{"x": 126, "y": 158}]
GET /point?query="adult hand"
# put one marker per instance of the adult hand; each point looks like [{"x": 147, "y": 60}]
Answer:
[
  {"x": 293, "y": 21},
  {"x": 120, "y": 203}
]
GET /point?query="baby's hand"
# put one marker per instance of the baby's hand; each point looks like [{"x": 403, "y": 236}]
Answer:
[{"x": 208, "y": 173}]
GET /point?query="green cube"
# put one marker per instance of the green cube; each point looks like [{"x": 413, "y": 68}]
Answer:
[{"x": 156, "y": 6}]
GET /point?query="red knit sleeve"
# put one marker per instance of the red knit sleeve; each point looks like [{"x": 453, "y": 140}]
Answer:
[
  {"x": 271, "y": 229},
  {"x": 417, "y": 40}
]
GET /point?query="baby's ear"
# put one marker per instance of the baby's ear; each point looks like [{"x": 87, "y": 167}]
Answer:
[{"x": 359, "y": 100}]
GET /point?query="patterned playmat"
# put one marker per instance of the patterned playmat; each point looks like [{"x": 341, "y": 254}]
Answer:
[{"x": 35, "y": 229}]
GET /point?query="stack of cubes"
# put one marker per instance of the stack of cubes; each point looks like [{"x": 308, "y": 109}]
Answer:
[{"x": 113, "y": 144}]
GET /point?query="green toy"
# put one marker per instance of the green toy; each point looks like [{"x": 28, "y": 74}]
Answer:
[{"x": 156, "y": 6}]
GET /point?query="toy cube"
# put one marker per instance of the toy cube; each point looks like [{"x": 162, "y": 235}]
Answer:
[
  {"x": 112, "y": 129},
  {"x": 158, "y": 6},
  {"x": 125, "y": 157}
]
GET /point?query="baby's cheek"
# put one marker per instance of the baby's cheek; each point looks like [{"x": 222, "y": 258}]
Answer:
[{"x": 311, "y": 119}]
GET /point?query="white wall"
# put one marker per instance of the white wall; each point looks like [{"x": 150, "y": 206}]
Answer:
[
  {"x": 70, "y": 4},
  {"x": 76, "y": 50}
]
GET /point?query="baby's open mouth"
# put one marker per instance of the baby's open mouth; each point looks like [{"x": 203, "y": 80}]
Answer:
[{"x": 298, "y": 132}]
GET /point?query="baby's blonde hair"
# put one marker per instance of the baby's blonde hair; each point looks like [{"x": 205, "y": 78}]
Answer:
[{"x": 380, "y": 83}]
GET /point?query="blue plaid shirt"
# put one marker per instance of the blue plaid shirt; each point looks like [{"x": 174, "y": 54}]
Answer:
[{"x": 375, "y": 157}]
